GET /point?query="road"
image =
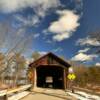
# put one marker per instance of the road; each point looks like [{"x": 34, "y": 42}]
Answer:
[
  {"x": 39, "y": 96},
  {"x": 55, "y": 94},
  {"x": 48, "y": 94},
  {"x": 78, "y": 95}
]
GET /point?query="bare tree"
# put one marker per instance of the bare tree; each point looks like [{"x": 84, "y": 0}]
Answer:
[
  {"x": 3, "y": 64},
  {"x": 20, "y": 66},
  {"x": 14, "y": 41}
]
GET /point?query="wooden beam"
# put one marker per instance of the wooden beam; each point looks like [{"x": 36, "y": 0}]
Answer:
[
  {"x": 35, "y": 78},
  {"x": 64, "y": 79}
]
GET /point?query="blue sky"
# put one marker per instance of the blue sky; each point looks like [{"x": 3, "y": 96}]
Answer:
[{"x": 59, "y": 26}]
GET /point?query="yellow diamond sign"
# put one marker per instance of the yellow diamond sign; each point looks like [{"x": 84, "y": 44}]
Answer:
[{"x": 71, "y": 76}]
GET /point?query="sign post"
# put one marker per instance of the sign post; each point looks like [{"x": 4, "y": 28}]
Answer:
[{"x": 71, "y": 76}]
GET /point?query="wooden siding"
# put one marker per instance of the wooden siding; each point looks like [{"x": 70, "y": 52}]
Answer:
[{"x": 50, "y": 59}]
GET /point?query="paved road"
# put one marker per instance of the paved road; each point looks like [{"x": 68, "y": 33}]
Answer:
[{"x": 39, "y": 96}]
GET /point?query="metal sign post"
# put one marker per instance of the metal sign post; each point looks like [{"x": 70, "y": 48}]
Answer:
[{"x": 71, "y": 76}]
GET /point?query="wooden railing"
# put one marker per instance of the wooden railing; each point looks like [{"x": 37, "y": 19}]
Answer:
[{"x": 4, "y": 94}]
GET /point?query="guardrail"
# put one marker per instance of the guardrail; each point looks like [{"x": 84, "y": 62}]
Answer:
[{"x": 5, "y": 93}]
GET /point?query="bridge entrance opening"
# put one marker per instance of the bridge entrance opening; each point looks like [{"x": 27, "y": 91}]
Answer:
[{"x": 50, "y": 77}]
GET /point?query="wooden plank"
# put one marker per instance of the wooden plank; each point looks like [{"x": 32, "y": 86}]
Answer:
[
  {"x": 22, "y": 88},
  {"x": 64, "y": 79}
]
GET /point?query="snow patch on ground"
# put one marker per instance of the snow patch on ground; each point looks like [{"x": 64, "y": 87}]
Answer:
[
  {"x": 19, "y": 95},
  {"x": 77, "y": 96},
  {"x": 89, "y": 96},
  {"x": 83, "y": 96}
]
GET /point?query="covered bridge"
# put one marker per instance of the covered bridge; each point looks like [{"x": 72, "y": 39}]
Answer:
[{"x": 49, "y": 71}]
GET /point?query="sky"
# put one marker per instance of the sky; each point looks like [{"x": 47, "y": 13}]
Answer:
[{"x": 58, "y": 26}]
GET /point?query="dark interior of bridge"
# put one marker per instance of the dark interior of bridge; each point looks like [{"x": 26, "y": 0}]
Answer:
[{"x": 50, "y": 77}]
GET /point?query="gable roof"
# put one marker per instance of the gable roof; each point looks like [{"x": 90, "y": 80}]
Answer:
[{"x": 62, "y": 61}]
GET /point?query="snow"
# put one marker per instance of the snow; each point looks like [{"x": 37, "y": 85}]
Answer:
[
  {"x": 88, "y": 95},
  {"x": 18, "y": 96},
  {"x": 77, "y": 96},
  {"x": 3, "y": 92},
  {"x": 83, "y": 95}
]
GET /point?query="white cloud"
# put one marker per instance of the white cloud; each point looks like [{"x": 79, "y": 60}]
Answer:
[
  {"x": 62, "y": 36},
  {"x": 84, "y": 50},
  {"x": 31, "y": 20},
  {"x": 42, "y": 53},
  {"x": 14, "y": 5},
  {"x": 97, "y": 64},
  {"x": 65, "y": 25},
  {"x": 59, "y": 49},
  {"x": 36, "y": 35},
  {"x": 40, "y": 6},
  {"x": 49, "y": 41},
  {"x": 88, "y": 41},
  {"x": 83, "y": 57}
]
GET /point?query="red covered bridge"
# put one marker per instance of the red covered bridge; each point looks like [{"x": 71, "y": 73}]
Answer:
[{"x": 49, "y": 71}]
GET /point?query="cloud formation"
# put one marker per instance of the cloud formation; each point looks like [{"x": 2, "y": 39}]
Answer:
[
  {"x": 29, "y": 21},
  {"x": 88, "y": 41},
  {"x": 42, "y": 53},
  {"x": 84, "y": 57},
  {"x": 65, "y": 25},
  {"x": 97, "y": 64},
  {"x": 84, "y": 50},
  {"x": 36, "y": 35},
  {"x": 59, "y": 49},
  {"x": 40, "y": 6}
]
